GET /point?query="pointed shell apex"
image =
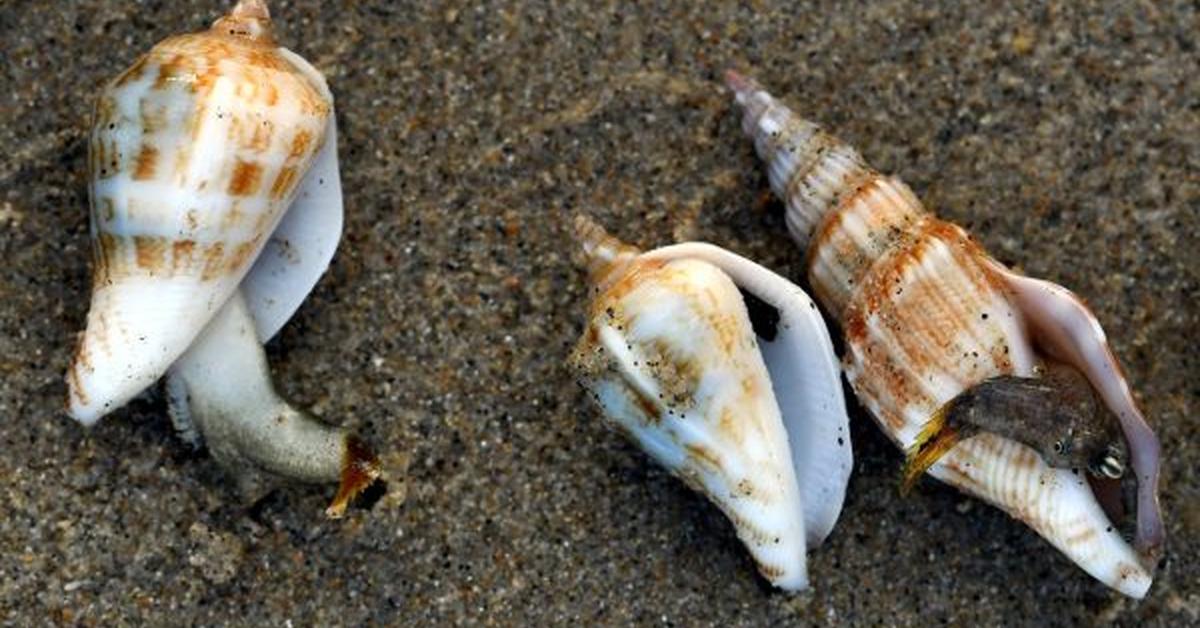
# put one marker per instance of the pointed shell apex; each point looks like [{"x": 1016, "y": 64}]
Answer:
[
  {"x": 603, "y": 253},
  {"x": 256, "y": 9}
]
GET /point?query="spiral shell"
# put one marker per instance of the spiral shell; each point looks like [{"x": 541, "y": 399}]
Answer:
[
  {"x": 216, "y": 205},
  {"x": 927, "y": 314},
  {"x": 672, "y": 357},
  {"x": 196, "y": 152}
]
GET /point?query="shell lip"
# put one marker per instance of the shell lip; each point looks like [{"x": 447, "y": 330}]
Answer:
[{"x": 1066, "y": 329}]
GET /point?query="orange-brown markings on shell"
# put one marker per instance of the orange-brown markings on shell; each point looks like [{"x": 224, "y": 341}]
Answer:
[
  {"x": 312, "y": 103},
  {"x": 826, "y": 235},
  {"x": 241, "y": 255},
  {"x": 104, "y": 117},
  {"x": 1082, "y": 537},
  {"x": 259, "y": 139},
  {"x": 180, "y": 164},
  {"x": 81, "y": 356},
  {"x": 232, "y": 216},
  {"x": 245, "y": 179},
  {"x": 191, "y": 218},
  {"x": 150, "y": 252},
  {"x": 172, "y": 68},
  {"x": 99, "y": 159},
  {"x": 213, "y": 256},
  {"x": 206, "y": 80},
  {"x": 134, "y": 72},
  {"x": 731, "y": 425},
  {"x": 900, "y": 337},
  {"x": 106, "y": 111},
  {"x": 75, "y": 390},
  {"x": 732, "y": 334},
  {"x": 146, "y": 163},
  {"x": 182, "y": 254},
  {"x": 153, "y": 117},
  {"x": 634, "y": 275},
  {"x": 103, "y": 333},
  {"x": 267, "y": 58},
  {"x": 703, "y": 456},
  {"x": 107, "y": 246},
  {"x": 264, "y": 221},
  {"x": 299, "y": 146},
  {"x": 770, "y": 572},
  {"x": 271, "y": 95},
  {"x": 650, "y": 409},
  {"x": 852, "y": 239},
  {"x": 1125, "y": 571},
  {"x": 817, "y": 150},
  {"x": 233, "y": 130},
  {"x": 889, "y": 386},
  {"x": 284, "y": 182},
  {"x": 99, "y": 265},
  {"x": 932, "y": 317}
]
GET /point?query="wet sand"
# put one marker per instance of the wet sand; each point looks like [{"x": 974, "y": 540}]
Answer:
[{"x": 1064, "y": 135}]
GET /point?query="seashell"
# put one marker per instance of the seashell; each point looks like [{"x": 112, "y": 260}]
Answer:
[
  {"x": 215, "y": 207},
  {"x": 751, "y": 415},
  {"x": 929, "y": 317},
  {"x": 196, "y": 151}
]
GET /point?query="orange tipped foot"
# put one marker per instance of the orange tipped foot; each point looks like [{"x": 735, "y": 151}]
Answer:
[
  {"x": 360, "y": 469},
  {"x": 935, "y": 439}
]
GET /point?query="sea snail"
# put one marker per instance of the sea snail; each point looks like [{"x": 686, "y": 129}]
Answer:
[
  {"x": 215, "y": 207},
  {"x": 930, "y": 319},
  {"x": 748, "y": 413}
]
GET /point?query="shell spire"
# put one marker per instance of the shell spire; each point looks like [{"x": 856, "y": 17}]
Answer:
[
  {"x": 248, "y": 18},
  {"x": 604, "y": 255},
  {"x": 744, "y": 89}
]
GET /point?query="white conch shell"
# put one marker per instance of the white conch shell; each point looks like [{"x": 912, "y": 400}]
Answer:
[
  {"x": 927, "y": 314},
  {"x": 196, "y": 152},
  {"x": 757, "y": 425},
  {"x": 216, "y": 207}
]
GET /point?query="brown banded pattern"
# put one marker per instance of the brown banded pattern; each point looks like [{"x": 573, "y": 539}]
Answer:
[{"x": 926, "y": 316}]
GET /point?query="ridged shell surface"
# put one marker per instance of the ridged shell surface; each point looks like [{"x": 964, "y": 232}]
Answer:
[
  {"x": 924, "y": 318},
  {"x": 195, "y": 153}
]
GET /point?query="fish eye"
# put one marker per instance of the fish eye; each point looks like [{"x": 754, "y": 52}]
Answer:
[{"x": 1059, "y": 447}]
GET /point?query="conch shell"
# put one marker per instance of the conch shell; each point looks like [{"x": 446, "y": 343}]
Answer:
[
  {"x": 197, "y": 153},
  {"x": 927, "y": 314},
  {"x": 749, "y": 414}
]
